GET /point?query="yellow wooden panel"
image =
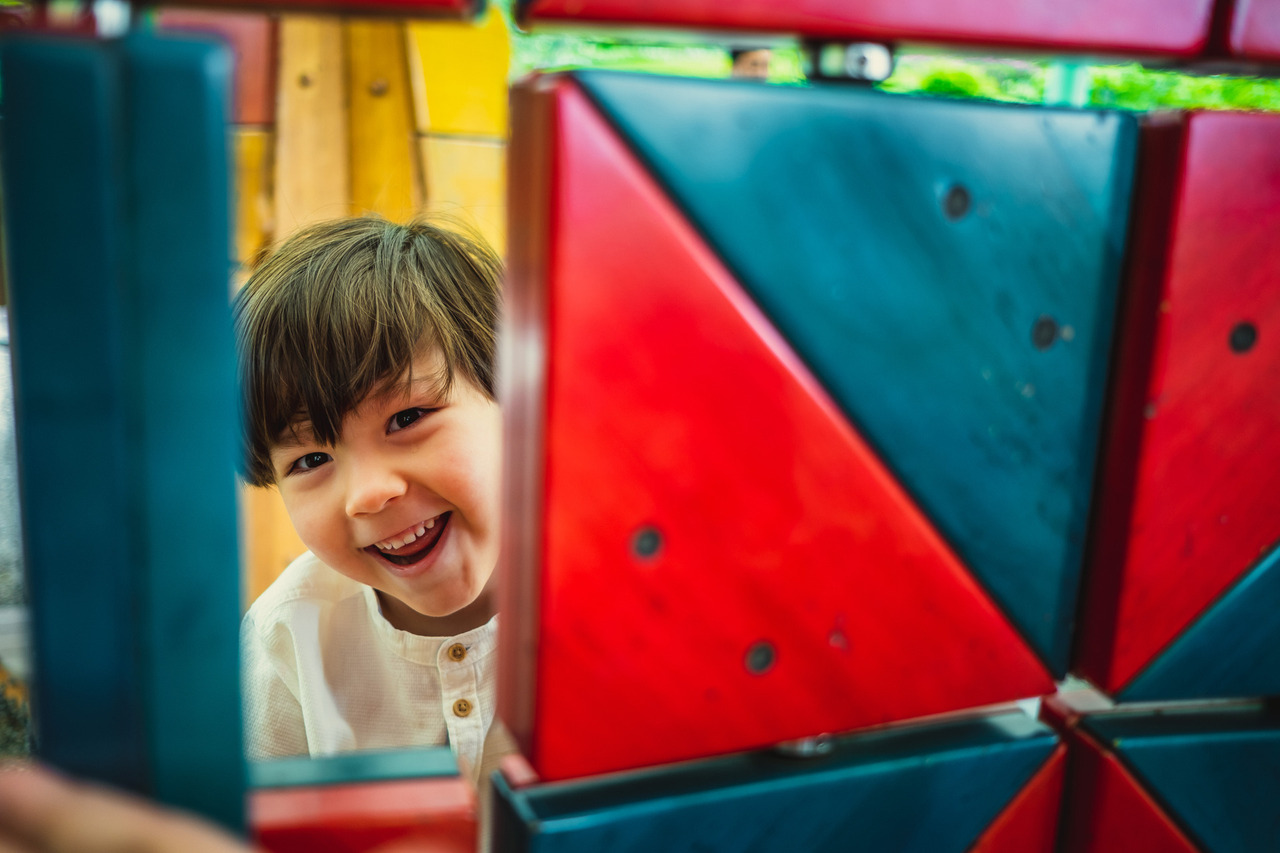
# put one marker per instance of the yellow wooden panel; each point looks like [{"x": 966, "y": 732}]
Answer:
[
  {"x": 269, "y": 540},
  {"x": 253, "y": 214},
  {"x": 312, "y": 179},
  {"x": 460, "y": 75},
  {"x": 384, "y": 167},
  {"x": 467, "y": 179}
]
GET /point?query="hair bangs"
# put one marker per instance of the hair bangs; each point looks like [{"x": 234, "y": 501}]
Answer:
[{"x": 339, "y": 313}]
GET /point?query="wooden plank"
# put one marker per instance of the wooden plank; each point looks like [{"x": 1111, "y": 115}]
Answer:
[
  {"x": 467, "y": 179},
  {"x": 251, "y": 149},
  {"x": 312, "y": 174},
  {"x": 270, "y": 541},
  {"x": 460, "y": 75},
  {"x": 384, "y": 171}
]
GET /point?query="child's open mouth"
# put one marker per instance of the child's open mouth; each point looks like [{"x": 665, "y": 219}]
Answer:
[{"x": 419, "y": 546}]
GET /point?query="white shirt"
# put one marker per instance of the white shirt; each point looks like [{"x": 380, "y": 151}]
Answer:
[{"x": 324, "y": 672}]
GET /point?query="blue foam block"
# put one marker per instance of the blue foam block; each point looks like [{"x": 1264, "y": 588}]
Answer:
[
  {"x": 904, "y": 790},
  {"x": 116, "y": 173}
]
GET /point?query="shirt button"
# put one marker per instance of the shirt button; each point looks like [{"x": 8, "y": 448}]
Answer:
[
  {"x": 457, "y": 652},
  {"x": 462, "y": 707}
]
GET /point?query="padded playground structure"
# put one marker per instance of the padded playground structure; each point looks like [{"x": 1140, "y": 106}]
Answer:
[{"x": 882, "y": 471}]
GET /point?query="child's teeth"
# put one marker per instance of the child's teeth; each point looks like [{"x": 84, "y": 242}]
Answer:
[
  {"x": 392, "y": 544},
  {"x": 411, "y": 536}
]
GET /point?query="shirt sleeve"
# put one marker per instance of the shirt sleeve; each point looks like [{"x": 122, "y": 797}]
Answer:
[{"x": 273, "y": 724}]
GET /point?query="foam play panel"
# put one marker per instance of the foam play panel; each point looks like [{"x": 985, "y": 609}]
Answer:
[
  {"x": 1174, "y": 27},
  {"x": 408, "y": 799},
  {"x": 908, "y": 790},
  {"x": 1172, "y": 781},
  {"x": 124, "y": 368},
  {"x": 1182, "y": 587},
  {"x": 1255, "y": 29},
  {"x": 776, "y": 469}
]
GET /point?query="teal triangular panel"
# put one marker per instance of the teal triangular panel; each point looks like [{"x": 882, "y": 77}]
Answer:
[{"x": 1233, "y": 650}]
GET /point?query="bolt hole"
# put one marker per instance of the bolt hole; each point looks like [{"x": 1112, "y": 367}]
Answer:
[
  {"x": 646, "y": 543},
  {"x": 760, "y": 658},
  {"x": 1243, "y": 337},
  {"x": 956, "y": 203},
  {"x": 379, "y": 87},
  {"x": 1044, "y": 332},
  {"x": 304, "y": 80}
]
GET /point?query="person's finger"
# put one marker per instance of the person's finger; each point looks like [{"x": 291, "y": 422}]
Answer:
[{"x": 51, "y": 814}]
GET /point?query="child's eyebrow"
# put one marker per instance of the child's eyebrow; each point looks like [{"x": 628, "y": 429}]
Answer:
[
  {"x": 425, "y": 385},
  {"x": 297, "y": 434}
]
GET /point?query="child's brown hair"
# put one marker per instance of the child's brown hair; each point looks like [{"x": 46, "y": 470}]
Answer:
[{"x": 339, "y": 311}]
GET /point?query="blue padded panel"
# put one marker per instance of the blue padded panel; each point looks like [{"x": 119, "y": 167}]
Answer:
[
  {"x": 63, "y": 196},
  {"x": 1214, "y": 772},
  {"x": 1231, "y": 650},
  {"x": 117, "y": 207},
  {"x": 908, "y": 790},
  {"x": 907, "y": 249},
  {"x": 352, "y": 767},
  {"x": 185, "y": 436}
]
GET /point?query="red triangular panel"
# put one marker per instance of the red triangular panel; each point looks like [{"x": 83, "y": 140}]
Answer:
[
  {"x": 673, "y": 407},
  {"x": 1029, "y": 824}
]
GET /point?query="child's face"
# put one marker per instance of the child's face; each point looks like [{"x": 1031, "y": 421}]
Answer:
[{"x": 408, "y": 465}]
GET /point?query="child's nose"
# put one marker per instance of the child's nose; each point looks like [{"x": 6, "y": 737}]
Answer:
[{"x": 372, "y": 487}]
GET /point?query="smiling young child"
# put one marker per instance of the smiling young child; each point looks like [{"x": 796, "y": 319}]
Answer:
[{"x": 367, "y": 352}]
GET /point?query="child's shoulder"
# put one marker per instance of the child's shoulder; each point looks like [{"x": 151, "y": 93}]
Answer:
[{"x": 306, "y": 582}]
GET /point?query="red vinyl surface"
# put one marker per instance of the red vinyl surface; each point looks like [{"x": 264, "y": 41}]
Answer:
[
  {"x": 1188, "y": 486},
  {"x": 252, "y": 39},
  {"x": 1175, "y": 27},
  {"x": 1255, "y": 29},
  {"x": 426, "y": 8},
  {"x": 1029, "y": 824},
  {"x": 437, "y": 815},
  {"x": 1108, "y": 811},
  {"x": 672, "y": 405}
]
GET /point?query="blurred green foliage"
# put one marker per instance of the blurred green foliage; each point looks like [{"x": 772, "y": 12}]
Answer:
[{"x": 1129, "y": 86}]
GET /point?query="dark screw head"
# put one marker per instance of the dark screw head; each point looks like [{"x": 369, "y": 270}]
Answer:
[
  {"x": 646, "y": 543},
  {"x": 1243, "y": 337},
  {"x": 956, "y": 203},
  {"x": 304, "y": 80},
  {"x": 1044, "y": 332},
  {"x": 379, "y": 87},
  {"x": 760, "y": 658}
]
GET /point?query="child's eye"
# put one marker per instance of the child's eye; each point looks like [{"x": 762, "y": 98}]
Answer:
[
  {"x": 408, "y": 417},
  {"x": 309, "y": 462}
]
